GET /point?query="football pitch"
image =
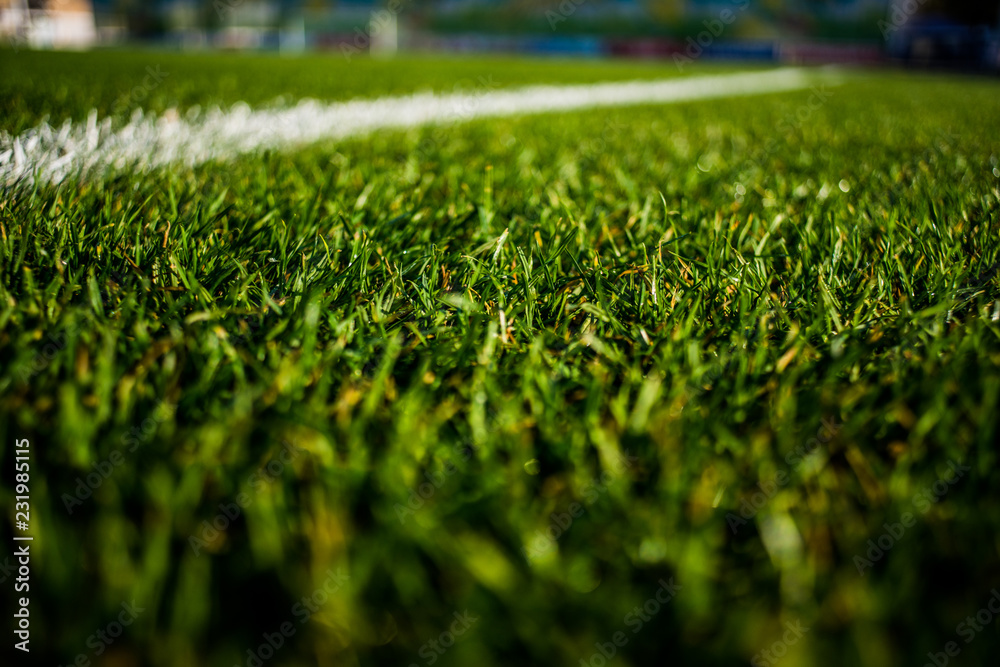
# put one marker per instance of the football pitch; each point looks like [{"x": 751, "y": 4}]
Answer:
[{"x": 712, "y": 380}]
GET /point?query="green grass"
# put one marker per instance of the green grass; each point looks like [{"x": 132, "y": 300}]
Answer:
[
  {"x": 347, "y": 300},
  {"x": 63, "y": 86}
]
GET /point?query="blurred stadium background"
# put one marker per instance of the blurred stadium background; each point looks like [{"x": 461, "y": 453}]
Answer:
[{"x": 936, "y": 33}]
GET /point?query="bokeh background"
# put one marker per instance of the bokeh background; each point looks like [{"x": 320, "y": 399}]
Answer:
[{"x": 926, "y": 32}]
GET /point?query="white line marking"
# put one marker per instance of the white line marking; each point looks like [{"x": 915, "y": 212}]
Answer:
[{"x": 49, "y": 155}]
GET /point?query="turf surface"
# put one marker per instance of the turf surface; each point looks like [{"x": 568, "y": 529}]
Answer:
[
  {"x": 63, "y": 86},
  {"x": 522, "y": 371}
]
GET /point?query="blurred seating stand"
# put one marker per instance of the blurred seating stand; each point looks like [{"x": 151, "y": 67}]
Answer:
[{"x": 48, "y": 24}]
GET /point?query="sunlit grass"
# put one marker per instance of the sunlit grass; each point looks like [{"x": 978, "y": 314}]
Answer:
[{"x": 451, "y": 340}]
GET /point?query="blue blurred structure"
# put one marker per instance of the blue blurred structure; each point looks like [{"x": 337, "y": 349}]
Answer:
[{"x": 935, "y": 40}]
